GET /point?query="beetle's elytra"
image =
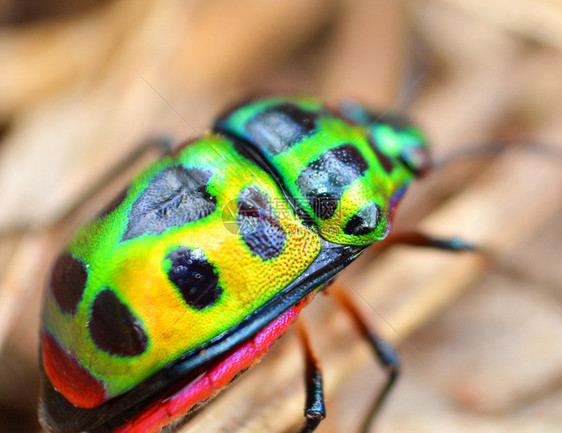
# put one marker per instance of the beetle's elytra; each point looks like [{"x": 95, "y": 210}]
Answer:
[{"x": 208, "y": 256}]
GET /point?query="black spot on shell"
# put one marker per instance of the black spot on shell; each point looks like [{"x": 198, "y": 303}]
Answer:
[
  {"x": 278, "y": 128},
  {"x": 259, "y": 226},
  {"x": 365, "y": 221},
  {"x": 323, "y": 181},
  {"x": 68, "y": 281},
  {"x": 175, "y": 197},
  {"x": 114, "y": 328},
  {"x": 195, "y": 277},
  {"x": 324, "y": 204}
]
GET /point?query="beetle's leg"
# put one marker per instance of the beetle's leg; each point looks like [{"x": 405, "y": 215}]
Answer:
[
  {"x": 162, "y": 144},
  {"x": 385, "y": 353},
  {"x": 419, "y": 239},
  {"x": 315, "y": 410}
]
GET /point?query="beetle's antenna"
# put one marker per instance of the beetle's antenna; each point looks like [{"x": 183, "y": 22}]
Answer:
[
  {"x": 416, "y": 70},
  {"x": 488, "y": 150}
]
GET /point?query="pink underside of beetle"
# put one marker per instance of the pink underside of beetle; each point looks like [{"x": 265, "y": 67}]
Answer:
[{"x": 174, "y": 407}]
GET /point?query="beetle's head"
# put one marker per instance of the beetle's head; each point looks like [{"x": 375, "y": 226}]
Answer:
[{"x": 393, "y": 135}]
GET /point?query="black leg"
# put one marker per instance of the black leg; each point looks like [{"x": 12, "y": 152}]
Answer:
[
  {"x": 162, "y": 145},
  {"x": 385, "y": 353},
  {"x": 418, "y": 239},
  {"x": 315, "y": 410}
]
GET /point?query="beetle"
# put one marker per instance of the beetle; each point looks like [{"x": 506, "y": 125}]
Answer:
[{"x": 193, "y": 271}]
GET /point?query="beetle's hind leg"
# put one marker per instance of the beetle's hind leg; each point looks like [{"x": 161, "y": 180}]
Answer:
[
  {"x": 315, "y": 410},
  {"x": 160, "y": 144},
  {"x": 384, "y": 351}
]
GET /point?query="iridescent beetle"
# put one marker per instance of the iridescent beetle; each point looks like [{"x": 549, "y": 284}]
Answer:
[{"x": 194, "y": 271}]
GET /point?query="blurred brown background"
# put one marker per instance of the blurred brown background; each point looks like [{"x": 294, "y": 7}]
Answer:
[{"x": 82, "y": 83}]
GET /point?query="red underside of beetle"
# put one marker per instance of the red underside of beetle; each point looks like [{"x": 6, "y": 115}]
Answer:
[
  {"x": 175, "y": 406},
  {"x": 69, "y": 377}
]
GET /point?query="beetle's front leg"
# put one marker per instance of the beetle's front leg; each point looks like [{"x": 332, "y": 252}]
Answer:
[
  {"x": 419, "y": 239},
  {"x": 315, "y": 410}
]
